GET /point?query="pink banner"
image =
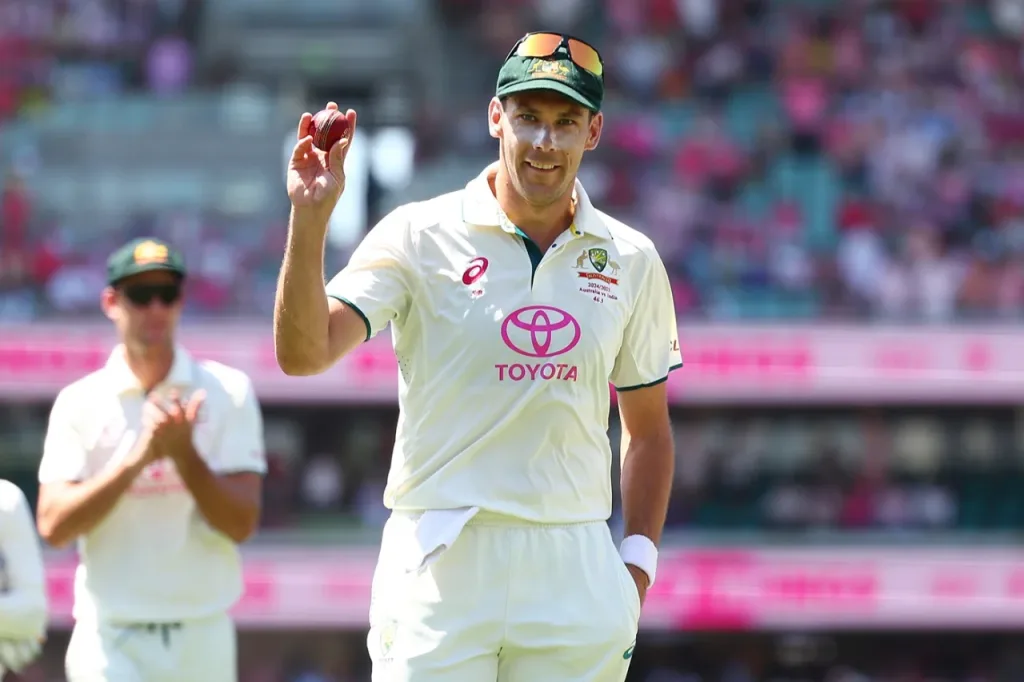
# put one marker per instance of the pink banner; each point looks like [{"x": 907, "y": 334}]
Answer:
[
  {"x": 696, "y": 589},
  {"x": 729, "y": 364}
]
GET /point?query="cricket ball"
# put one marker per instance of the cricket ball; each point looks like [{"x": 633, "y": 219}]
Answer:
[{"x": 327, "y": 127}]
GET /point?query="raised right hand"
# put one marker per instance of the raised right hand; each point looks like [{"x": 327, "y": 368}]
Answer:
[{"x": 316, "y": 178}]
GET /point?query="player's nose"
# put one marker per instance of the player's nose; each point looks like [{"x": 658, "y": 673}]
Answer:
[{"x": 544, "y": 139}]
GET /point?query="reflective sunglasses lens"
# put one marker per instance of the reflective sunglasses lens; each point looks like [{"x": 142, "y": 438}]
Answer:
[
  {"x": 539, "y": 45},
  {"x": 544, "y": 45},
  {"x": 586, "y": 57}
]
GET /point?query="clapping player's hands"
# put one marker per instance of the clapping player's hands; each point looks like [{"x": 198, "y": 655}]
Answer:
[
  {"x": 147, "y": 450},
  {"x": 173, "y": 426},
  {"x": 316, "y": 178}
]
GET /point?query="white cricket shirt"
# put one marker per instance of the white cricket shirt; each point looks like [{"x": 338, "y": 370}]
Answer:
[
  {"x": 22, "y": 579},
  {"x": 506, "y": 354},
  {"x": 154, "y": 558}
]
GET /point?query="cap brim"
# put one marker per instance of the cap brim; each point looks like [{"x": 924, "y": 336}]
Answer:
[
  {"x": 549, "y": 85},
  {"x": 149, "y": 267}
]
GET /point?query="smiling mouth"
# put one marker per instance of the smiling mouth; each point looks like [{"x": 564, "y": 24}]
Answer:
[{"x": 542, "y": 167}]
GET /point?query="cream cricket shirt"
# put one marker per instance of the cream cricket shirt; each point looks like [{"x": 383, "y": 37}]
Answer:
[
  {"x": 154, "y": 558},
  {"x": 505, "y": 354}
]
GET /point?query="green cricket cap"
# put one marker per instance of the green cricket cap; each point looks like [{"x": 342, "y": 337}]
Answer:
[
  {"x": 557, "y": 73},
  {"x": 144, "y": 255}
]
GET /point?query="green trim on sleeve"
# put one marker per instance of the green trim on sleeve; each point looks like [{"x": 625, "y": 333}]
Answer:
[
  {"x": 360, "y": 313},
  {"x": 653, "y": 383}
]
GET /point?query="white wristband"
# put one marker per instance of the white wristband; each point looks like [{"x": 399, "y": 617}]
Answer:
[{"x": 640, "y": 551}]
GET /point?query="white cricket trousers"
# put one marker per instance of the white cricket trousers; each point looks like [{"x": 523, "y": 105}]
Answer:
[
  {"x": 506, "y": 601},
  {"x": 193, "y": 651}
]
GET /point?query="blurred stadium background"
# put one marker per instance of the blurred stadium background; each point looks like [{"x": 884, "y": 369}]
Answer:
[{"x": 837, "y": 187}]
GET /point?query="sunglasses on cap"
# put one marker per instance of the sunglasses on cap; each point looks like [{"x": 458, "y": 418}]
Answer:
[
  {"x": 144, "y": 294},
  {"x": 544, "y": 45}
]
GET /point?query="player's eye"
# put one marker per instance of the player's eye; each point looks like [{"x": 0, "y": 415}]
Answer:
[{"x": 528, "y": 117}]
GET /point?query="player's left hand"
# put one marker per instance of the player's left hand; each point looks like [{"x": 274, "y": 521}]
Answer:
[
  {"x": 172, "y": 433},
  {"x": 642, "y": 583}
]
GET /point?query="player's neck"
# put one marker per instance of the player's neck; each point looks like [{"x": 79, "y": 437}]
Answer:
[
  {"x": 541, "y": 224},
  {"x": 149, "y": 364}
]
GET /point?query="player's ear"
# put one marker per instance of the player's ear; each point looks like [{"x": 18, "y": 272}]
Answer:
[
  {"x": 594, "y": 131},
  {"x": 495, "y": 112},
  {"x": 108, "y": 302}
]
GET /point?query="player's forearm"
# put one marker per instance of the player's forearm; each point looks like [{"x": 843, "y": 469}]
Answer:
[
  {"x": 301, "y": 319},
  {"x": 646, "y": 482},
  {"x": 23, "y": 613},
  {"x": 225, "y": 509},
  {"x": 68, "y": 510}
]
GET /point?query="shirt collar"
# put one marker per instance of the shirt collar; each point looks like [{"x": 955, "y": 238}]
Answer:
[
  {"x": 123, "y": 380},
  {"x": 480, "y": 207}
]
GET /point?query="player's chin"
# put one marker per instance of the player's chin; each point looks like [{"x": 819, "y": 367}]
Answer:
[
  {"x": 154, "y": 337},
  {"x": 542, "y": 191},
  {"x": 541, "y": 196}
]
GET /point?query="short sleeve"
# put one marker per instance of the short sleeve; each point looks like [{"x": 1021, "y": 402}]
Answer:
[
  {"x": 376, "y": 283},
  {"x": 650, "y": 345},
  {"x": 64, "y": 455},
  {"x": 241, "y": 446}
]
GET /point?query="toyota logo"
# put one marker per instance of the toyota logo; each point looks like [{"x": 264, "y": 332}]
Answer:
[{"x": 540, "y": 331}]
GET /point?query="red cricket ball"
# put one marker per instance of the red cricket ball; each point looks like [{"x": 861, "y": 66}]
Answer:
[{"x": 327, "y": 127}]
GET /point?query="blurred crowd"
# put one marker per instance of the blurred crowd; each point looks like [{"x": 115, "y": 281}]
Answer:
[
  {"x": 792, "y": 159},
  {"x": 849, "y": 471},
  {"x": 57, "y": 55}
]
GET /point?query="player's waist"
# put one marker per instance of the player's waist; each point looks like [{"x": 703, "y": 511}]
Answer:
[
  {"x": 152, "y": 623},
  {"x": 487, "y": 517},
  {"x": 544, "y": 497},
  {"x": 416, "y": 539},
  {"x": 105, "y": 598}
]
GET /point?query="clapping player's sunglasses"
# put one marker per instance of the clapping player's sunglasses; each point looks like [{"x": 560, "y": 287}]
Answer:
[
  {"x": 544, "y": 45},
  {"x": 144, "y": 294}
]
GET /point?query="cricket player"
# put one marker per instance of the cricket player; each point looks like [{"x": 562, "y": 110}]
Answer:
[
  {"x": 154, "y": 464},
  {"x": 22, "y": 583},
  {"x": 513, "y": 303}
]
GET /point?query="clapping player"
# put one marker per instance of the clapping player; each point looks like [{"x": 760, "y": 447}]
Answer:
[{"x": 154, "y": 465}]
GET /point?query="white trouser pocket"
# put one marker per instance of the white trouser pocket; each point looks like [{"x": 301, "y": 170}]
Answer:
[{"x": 433, "y": 533}]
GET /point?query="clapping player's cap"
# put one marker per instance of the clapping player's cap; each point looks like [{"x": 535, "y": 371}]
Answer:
[
  {"x": 555, "y": 62},
  {"x": 144, "y": 255}
]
